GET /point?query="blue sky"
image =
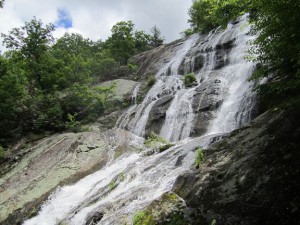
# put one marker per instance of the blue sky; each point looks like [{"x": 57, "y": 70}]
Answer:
[
  {"x": 94, "y": 18},
  {"x": 64, "y": 18}
]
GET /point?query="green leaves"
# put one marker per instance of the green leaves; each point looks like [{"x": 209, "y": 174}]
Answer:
[
  {"x": 199, "y": 157},
  {"x": 125, "y": 41}
]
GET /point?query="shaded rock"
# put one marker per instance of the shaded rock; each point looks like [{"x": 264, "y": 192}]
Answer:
[
  {"x": 158, "y": 114},
  {"x": 206, "y": 101},
  {"x": 150, "y": 62},
  {"x": 94, "y": 219},
  {"x": 249, "y": 177},
  {"x": 198, "y": 63}
]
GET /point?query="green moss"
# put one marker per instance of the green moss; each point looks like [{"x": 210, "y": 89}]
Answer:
[{"x": 143, "y": 218}]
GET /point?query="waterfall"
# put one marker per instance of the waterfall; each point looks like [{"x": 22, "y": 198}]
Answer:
[{"x": 134, "y": 180}]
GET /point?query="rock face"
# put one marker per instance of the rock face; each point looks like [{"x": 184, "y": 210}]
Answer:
[
  {"x": 57, "y": 160},
  {"x": 176, "y": 111},
  {"x": 250, "y": 177}
]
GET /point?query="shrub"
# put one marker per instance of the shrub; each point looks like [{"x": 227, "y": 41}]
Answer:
[
  {"x": 155, "y": 140},
  {"x": 143, "y": 218},
  {"x": 151, "y": 80},
  {"x": 199, "y": 157},
  {"x": 189, "y": 79},
  {"x": 132, "y": 67},
  {"x": 72, "y": 124}
]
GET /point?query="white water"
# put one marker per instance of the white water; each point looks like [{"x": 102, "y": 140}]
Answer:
[
  {"x": 179, "y": 117},
  {"x": 139, "y": 179},
  {"x": 141, "y": 175}
]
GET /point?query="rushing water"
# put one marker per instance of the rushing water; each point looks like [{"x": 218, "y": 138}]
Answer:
[
  {"x": 131, "y": 182},
  {"x": 235, "y": 90}
]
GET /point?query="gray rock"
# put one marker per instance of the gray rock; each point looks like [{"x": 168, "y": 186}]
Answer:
[{"x": 249, "y": 177}]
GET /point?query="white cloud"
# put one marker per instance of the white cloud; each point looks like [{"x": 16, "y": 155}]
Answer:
[{"x": 94, "y": 18}]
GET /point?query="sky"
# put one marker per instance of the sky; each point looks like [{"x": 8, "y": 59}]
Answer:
[{"x": 94, "y": 18}]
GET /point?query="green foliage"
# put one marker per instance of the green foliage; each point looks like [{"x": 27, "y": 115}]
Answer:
[
  {"x": 141, "y": 41},
  {"x": 189, "y": 79},
  {"x": 277, "y": 48},
  {"x": 208, "y": 14},
  {"x": 121, "y": 43},
  {"x": 165, "y": 147},
  {"x": 156, "y": 39},
  {"x": 44, "y": 82},
  {"x": 112, "y": 185},
  {"x": 155, "y": 140},
  {"x": 132, "y": 67},
  {"x": 151, "y": 80},
  {"x": 125, "y": 41},
  {"x": 199, "y": 157},
  {"x": 72, "y": 124},
  {"x": 143, "y": 218},
  {"x": 187, "y": 32},
  {"x": 32, "y": 42}
]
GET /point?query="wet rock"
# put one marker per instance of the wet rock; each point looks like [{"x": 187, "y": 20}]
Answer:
[
  {"x": 94, "y": 219},
  {"x": 207, "y": 100},
  {"x": 157, "y": 115},
  {"x": 198, "y": 63}
]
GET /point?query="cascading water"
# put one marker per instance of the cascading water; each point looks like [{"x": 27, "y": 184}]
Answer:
[
  {"x": 124, "y": 185},
  {"x": 231, "y": 71}
]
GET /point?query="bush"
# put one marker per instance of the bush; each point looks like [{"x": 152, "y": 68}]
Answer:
[
  {"x": 199, "y": 157},
  {"x": 132, "y": 67},
  {"x": 72, "y": 124},
  {"x": 189, "y": 79},
  {"x": 151, "y": 80},
  {"x": 143, "y": 218},
  {"x": 154, "y": 140}
]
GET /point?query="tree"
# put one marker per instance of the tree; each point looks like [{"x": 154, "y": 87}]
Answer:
[
  {"x": 206, "y": 15},
  {"x": 12, "y": 93},
  {"x": 32, "y": 42},
  {"x": 277, "y": 48},
  {"x": 142, "y": 41},
  {"x": 121, "y": 43},
  {"x": 156, "y": 38}
]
